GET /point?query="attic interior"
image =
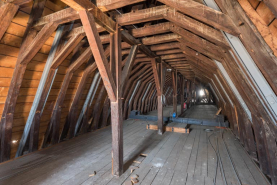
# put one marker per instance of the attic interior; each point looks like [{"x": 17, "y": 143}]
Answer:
[{"x": 138, "y": 92}]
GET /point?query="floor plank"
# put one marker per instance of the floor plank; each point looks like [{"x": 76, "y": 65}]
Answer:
[{"x": 170, "y": 159}]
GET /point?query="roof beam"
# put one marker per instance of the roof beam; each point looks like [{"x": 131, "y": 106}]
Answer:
[
  {"x": 99, "y": 17},
  {"x": 272, "y": 5},
  {"x": 106, "y": 5},
  {"x": 188, "y": 38},
  {"x": 128, "y": 66},
  {"x": 167, "y": 46},
  {"x": 205, "y": 14},
  {"x": 172, "y": 51},
  {"x": 152, "y": 29},
  {"x": 165, "y": 12},
  {"x": 7, "y": 12},
  {"x": 98, "y": 52},
  {"x": 160, "y": 39},
  {"x": 173, "y": 56}
]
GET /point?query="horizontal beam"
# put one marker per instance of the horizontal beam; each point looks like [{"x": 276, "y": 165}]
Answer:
[
  {"x": 171, "y": 14},
  {"x": 106, "y": 5}
]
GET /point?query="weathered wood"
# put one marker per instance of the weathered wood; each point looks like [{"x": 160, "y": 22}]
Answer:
[
  {"x": 182, "y": 94},
  {"x": 132, "y": 41},
  {"x": 71, "y": 120},
  {"x": 169, "y": 129},
  {"x": 139, "y": 75},
  {"x": 128, "y": 65},
  {"x": 160, "y": 39},
  {"x": 9, "y": 108},
  {"x": 54, "y": 124},
  {"x": 270, "y": 144},
  {"x": 198, "y": 28},
  {"x": 30, "y": 128},
  {"x": 61, "y": 17},
  {"x": 145, "y": 81},
  {"x": 100, "y": 18},
  {"x": 266, "y": 33},
  {"x": 106, "y": 112},
  {"x": 106, "y": 5},
  {"x": 173, "y": 56},
  {"x": 172, "y": 51},
  {"x": 261, "y": 145},
  {"x": 171, "y": 14},
  {"x": 160, "y": 99},
  {"x": 116, "y": 111},
  {"x": 272, "y": 6},
  {"x": 66, "y": 50},
  {"x": 162, "y": 47},
  {"x": 174, "y": 86},
  {"x": 252, "y": 41},
  {"x": 97, "y": 108},
  {"x": 98, "y": 52},
  {"x": 205, "y": 14},
  {"x": 7, "y": 12},
  {"x": 156, "y": 77},
  {"x": 152, "y": 29},
  {"x": 37, "y": 43}
]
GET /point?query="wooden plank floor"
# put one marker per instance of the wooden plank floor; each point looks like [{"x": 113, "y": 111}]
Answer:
[
  {"x": 167, "y": 111},
  {"x": 172, "y": 159},
  {"x": 201, "y": 112}
]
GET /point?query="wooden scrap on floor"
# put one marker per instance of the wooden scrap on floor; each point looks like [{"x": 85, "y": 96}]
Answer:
[
  {"x": 143, "y": 155},
  {"x": 178, "y": 128},
  {"x": 94, "y": 173},
  {"x": 134, "y": 181},
  {"x": 218, "y": 112},
  {"x": 128, "y": 183}
]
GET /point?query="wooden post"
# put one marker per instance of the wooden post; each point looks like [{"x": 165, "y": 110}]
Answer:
[
  {"x": 159, "y": 81},
  {"x": 182, "y": 94},
  {"x": 116, "y": 110},
  {"x": 174, "y": 86},
  {"x": 160, "y": 100}
]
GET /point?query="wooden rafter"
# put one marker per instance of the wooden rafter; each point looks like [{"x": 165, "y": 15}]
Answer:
[
  {"x": 7, "y": 12},
  {"x": 106, "y": 5},
  {"x": 98, "y": 52},
  {"x": 9, "y": 108},
  {"x": 205, "y": 14},
  {"x": 165, "y": 12}
]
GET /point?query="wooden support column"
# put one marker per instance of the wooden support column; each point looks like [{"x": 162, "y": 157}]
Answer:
[
  {"x": 182, "y": 82},
  {"x": 188, "y": 94},
  {"x": 112, "y": 85},
  {"x": 174, "y": 86},
  {"x": 159, "y": 81},
  {"x": 116, "y": 109}
]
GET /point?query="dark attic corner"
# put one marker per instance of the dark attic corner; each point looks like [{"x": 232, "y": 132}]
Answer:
[{"x": 160, "y": 92}]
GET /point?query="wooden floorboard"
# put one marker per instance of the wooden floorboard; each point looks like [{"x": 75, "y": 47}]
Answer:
[{"x": 170, "y": 159}]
